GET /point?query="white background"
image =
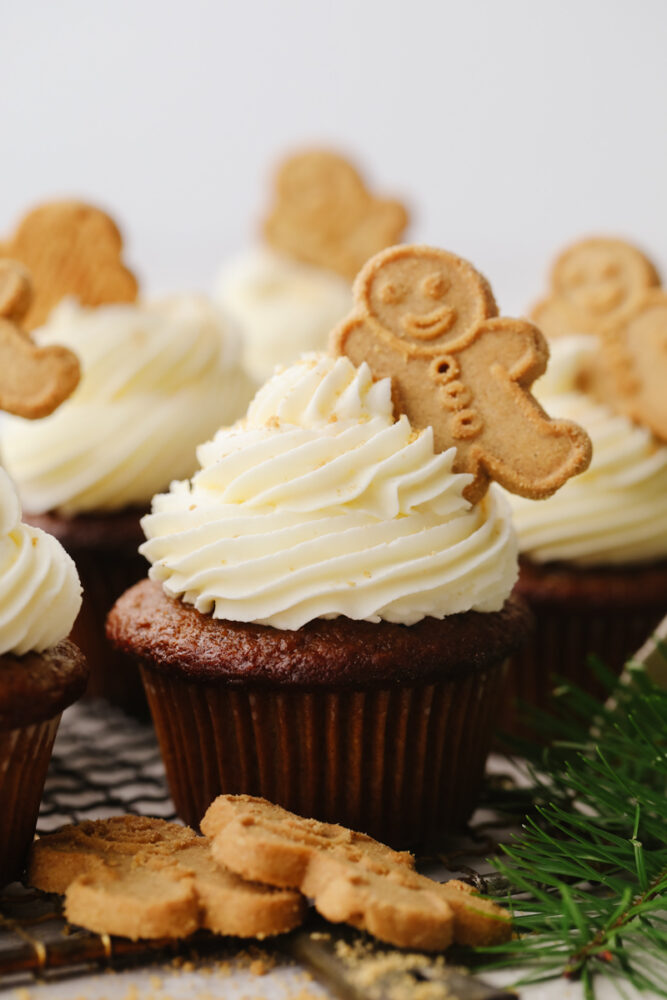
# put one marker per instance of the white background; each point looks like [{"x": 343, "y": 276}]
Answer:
[{"x": 510, "y": 127}]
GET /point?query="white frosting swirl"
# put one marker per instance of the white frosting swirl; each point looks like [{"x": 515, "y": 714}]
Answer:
[
  {"x": 615, "y": 512},
  {"x": 157, "y": 379},
  {"x": 40, "y": 593},
  {"x": 284, "y": 307},
  {"x": 319, "y": 503}
]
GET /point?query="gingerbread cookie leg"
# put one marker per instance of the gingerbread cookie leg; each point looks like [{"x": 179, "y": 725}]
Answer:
[
  {"x": 135, "y": 902},
  {"x": 146, "y": 878},
  {"x": 34, "y": 381}
]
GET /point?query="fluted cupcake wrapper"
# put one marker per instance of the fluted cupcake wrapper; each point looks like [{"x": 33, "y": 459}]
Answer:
[
  {"x": 104, "y": 576},
  {"x": 24, "y": 759},
  {"x": 559, "y": 647},
  {"x": 402, "y": 763}
]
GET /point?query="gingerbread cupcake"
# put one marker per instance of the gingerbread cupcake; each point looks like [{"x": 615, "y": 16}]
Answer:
[
  {"x": 157, "y": 378},
  {"x": 594, "y": 557},
  {"x": 288, "y": 293},
  {"x": 329, "y": 606},
  {"x": 40, "y": 671}
]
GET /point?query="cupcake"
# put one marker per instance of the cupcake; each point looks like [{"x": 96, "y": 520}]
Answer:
[
  {"x": 330, "y": 606},
  {"x": 41, "y": 672},
  {"x": 158, "y": 377},
  {"x": 288, "y": 293},
  {"x": 594, "y": 556}
]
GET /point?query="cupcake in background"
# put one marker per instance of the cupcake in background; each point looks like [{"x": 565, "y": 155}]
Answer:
[
  {"x": 594, "y": 556},
  {"x": 41, "y": 672},
  {"x": 330, "y": 606},
  {"x": 288, "y": 293},
  {"x": 157, "y": 377}
]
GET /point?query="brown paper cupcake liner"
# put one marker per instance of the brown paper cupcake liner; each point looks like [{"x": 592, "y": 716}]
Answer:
[
  {"x": 24, "y": 758},
  {"x": 104, "y": 548},
  {"x": 104, "y": 576},
  {"x": 402, "y": 763},
  {"x": 560, "y": 647}
]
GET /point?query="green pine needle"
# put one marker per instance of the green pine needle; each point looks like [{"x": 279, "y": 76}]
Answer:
[{"x": 588, "y": 875}]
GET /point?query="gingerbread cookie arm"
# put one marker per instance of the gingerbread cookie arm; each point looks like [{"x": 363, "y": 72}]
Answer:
[
  {"x": 34, "y": 381},
  {"x": 477, "y": 921},
  {"x": 325, "y": 216},
  {"x": 518, "y": 444},
  {"x": 553, "y": 319}
]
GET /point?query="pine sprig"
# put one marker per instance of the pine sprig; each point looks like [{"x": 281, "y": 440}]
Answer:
[{"x": 588, "y": 875}]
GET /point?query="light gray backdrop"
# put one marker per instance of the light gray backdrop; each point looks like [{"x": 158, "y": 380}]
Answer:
[{"x": 510, "y": 126}]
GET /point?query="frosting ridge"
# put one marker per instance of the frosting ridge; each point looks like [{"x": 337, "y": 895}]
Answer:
[
  {"x": 40, "y": 593},
  {"x": 319, "y": 503},
  {"x": 284, "y": 306},
  {"x": 157, "y": 378}
]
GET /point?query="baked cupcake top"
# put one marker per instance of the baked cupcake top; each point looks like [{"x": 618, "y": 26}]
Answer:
[
  {"x": 615, "y": 511},
  {"x": 289, "y": 292}
]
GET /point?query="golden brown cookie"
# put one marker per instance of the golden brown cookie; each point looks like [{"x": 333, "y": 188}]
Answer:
[
  {"x": 324, "y": 214},
  {"x": 33, "y": 380},
  {"x": 595, "y": 285},
  {"x": 351, "y": 877},
  {"x": 70, "y": 248},
  {"x": 144, "y": 878},
  {"x": 428, "y": 320},
  {"x": 609, "y": 288}
]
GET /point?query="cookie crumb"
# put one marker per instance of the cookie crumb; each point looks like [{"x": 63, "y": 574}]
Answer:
[{"x": 401, "y": 971}]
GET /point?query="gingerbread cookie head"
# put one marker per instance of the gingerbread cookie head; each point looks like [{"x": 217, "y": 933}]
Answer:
[
  {"x": 70, "y": 248},
  {"x": 324, "y": 215},
  {"x": 595, "y": 284},
  {"x": 426, "y": 319},
  {"x": 34, "y": 381},
  {"x": 424, "y": 296}
]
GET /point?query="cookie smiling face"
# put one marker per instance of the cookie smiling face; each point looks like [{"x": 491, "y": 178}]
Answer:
[
  {"x": 430, "y": 297},
  {"x": 602, "y": 278}
]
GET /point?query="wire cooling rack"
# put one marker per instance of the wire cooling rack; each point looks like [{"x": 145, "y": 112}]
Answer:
[{"x": 105, "y": 763}]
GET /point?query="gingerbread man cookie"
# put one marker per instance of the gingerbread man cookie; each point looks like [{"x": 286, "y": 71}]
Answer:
[
  {"x": 595, "y": 285},
  {"x": 351, "y": 877},
  {"x": 428, "y": 320},
  {"x": 324, "y": 215},
  {"x": 70, "y": 248},
  {"x": 146, "y": 878},
  {"x": 609, "y": 288},
  {"x": 34, "y": 381}
]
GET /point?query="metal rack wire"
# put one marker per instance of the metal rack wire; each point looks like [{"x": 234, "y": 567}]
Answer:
[{"x": 105, "y": 763}]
